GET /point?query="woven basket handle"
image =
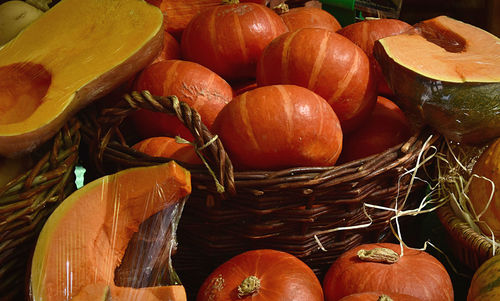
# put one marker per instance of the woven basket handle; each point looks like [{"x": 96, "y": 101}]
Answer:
[{"x": 208, "y": 146}]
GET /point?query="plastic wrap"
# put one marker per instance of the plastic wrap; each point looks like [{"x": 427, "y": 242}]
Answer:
[{"x": 113, "y": 239}]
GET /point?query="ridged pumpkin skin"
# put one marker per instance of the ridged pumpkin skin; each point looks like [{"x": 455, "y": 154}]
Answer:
[
  {"x": 283, "y": 277},
  {"x": 365, "y": 33},
  {"x": 447, "y": 74},
  {"x": 373, "y": 296},
  {"x": 178, "y": 13},
  {"x": 488, "y": 166},
  {"x": 85, "y": 238},
  {"x": 387, "y": 126},
  {"x": 312, "y": 17},
  {"x": 328, "y": 64},
  {"x": 167, "y": 147},
  {"x": 62, "y": 62},
  {"x": 192, "y": 83},
  {"x": 229, "y": 39},
  {"x": 279, "y": 126},
  {"x": 416, "y": 273},
  {"x": 485, "y": 282},
  {"x": 171, "y": 49}
]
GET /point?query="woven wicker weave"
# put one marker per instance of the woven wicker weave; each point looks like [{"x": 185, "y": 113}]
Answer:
[
  {"x": 27, "y": 201},
  {"x": 470, "y": 247},
  {"x": 290, "y": 209}
]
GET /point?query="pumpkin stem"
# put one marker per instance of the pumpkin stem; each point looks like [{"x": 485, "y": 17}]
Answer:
[
  {"x": 384, "y": 298},
  {"x": 281, "y": 8},
  {"x": 249, "y": 286},
  {"x": 382, "y": 255},
  {"x": 230, "y": 1}
]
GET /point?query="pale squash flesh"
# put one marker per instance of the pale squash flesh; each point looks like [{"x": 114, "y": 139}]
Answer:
[
  {"x": 73, "y": 54},
  {"x": 85, "y": 238},
  {"x": 446, "y": 73}
]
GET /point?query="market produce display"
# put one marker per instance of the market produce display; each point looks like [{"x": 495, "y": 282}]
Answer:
[{"x": 285, "y": 152}]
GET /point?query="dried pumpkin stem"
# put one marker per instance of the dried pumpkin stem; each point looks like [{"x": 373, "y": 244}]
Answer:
[
  {"x": 281, "y": 8},
  {"x": 384, "y": 298},
  {"x": 230, "y": 1},
  {"x": 249, "y": 286},
  {"x": 382, "y": 255}
]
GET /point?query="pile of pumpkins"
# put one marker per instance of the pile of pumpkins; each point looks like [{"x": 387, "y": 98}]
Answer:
[{"x": 279, "y": 90}]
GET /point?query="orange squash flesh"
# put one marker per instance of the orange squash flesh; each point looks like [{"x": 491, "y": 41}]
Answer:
[
  {"x": 84, "y": 240},
  {"x": 440, "y": 44},
  {"x": 62, "y": 61}
]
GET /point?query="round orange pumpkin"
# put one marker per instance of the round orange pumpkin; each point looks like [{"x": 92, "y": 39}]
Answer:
[
  {"x": 374, "y": 296},
  {"x": 326, "y": 63},
  {"x": 169, "y": 148},
  {"x": 230, "y": 38},
  {"x": 365, "y": 33},
  {"x": 307, "y": 16},
  {"x": 279, "y": 126},
  {"x": 262, "y": 275},
  {"x": 386, "y": 127},
  {"x": 192, "y": 83},
  {"x": 378, "y": 267},
  {"x": 171, "y": 49}
]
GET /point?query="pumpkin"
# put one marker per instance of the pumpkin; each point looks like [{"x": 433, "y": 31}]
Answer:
[
  {"x": 61, "y": 63},
  {"x": 192, "y": 83},
  {"x": 171, "y": 49},
  {"x": 386, "y": 127},
  {"x": 279, "y": 126},
  {"x": 379, "y": 267},
  {"x": 230, "y": 38},
  {"x": 85, "y": 238},
  {"x": 484, "y": 285},
  {"x": 374, "y": 296},
  {"x": 326, "y": 63},
  {"x": 365, "y": 33},
  {"x": 244, "y": 86},
  {"x": 169, "y": 148},
  {"x": 447, "y": 74},
  {"x": 15, "y": 16},
  {"x": 308, "y": 16},
  {"x": 262, "y": 275},
  {"x": 178, "y": 13},
  {"x": 480, "y": 189}
]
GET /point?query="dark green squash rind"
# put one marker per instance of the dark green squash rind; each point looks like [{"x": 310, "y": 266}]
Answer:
[{"x": 465, "y": 112}]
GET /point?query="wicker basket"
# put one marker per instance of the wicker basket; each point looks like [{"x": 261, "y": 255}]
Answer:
[
  {"x": 28, "y": 200},
  {"x": 291, "y": 210},
  {"x": 468, "y": 246}
]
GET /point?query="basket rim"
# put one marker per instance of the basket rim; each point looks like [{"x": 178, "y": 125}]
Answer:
[
  {"x": 101, "y": 130},
  {"x": 465, "y": 235}
]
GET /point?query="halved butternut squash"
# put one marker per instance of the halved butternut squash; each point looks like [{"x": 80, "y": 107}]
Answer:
[
  {"x": 447, "y": 73},
  {"x": 73, "y": 54},
  {"x": 86, "y": 237}
]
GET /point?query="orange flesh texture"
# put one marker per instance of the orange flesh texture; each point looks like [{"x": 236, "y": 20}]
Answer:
[
  {"x": 85, "y": 238},
  {"x": 58, "y": 70},
  {"x": 473, "y": 54}
]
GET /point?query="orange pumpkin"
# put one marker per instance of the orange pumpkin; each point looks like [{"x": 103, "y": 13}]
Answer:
[
  {"x": 169, "y": 148},
  {"x": 386, "y": 127},
  {"x": 262, "y": 275},
  {"x": 307, "y": 16},
  {"x": 326, "y": 63},
  {"x": 171, "y": 49},
  {"x": 365, "y": 33},
  {"x": 230, "y": 38},
  {"x": 379, "y": 267},
  {"x": 178, "y": 13},
  {"x": 373, "y": 296},
  {"x": 279, "y": 126},
  {"x": 192, "y": 83}
]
